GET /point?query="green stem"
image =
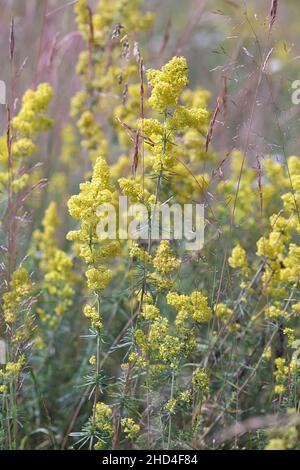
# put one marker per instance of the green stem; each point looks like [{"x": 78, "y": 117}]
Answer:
[{"x": 170, "y": 418}]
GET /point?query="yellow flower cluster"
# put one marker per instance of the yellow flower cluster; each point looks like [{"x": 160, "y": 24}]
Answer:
[
  {"x": 167, "y": 84},
  {"x": 281, "y": 374},
  {"x": 102, "y": 422},
  {"x": 30, "y": 121},
  {"x": 275, "y": 444},
  {"x": 106, "y": 68},
  {"x": 182, "y": 399},
  {"x": 84, "y": 207},
  {"x": 193, "y": 307},
  {"x": 278, "y": 250},
  {"x": 285, "y": 437},
  {"x": 13, "y": 369},
  {"x": 98, "y": 279},
  {"x": 130, "y": 428},
  {"x": 94, "y": 316},
  {"x": 56, "y": 268},
  {"x": 11, "y": 372},
  {"x": 165, "y": 264},
  {"x": 15, "y": 299},
  {"x": 136, "y": 193},
  {"x": 93, "y": 135},
  {"x": 164, "y": 260},
  {"x": 69, "y": 148},
  {"x": 167, "y": 87},
  {"x": 238, "y": 259},
  {"x": 150, "y": 312},
  {"x": 157, "y": 347},
  {"x": 200, "y": 380},
  {"x": 290, "y": 333},
  {"x": 140, "y": 254},
  {"x": 225, "y": 314},
  {"x": 109, "y": 14},
  {"x": 275, "y": 312},
  {"x": 171, "y": 405},
  {"x": 31, "y": 118}
]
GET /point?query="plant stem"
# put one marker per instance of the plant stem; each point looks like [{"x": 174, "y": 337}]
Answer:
[{"x": 170, "y": 418}]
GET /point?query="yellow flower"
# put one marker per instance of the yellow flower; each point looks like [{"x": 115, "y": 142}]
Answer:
[
  {"x": 238, "y": 258},
  {"x": 170, "y": 406},
  {"x": 130, "y": 428},
  {"x": 164, "y": 260},
  {"x": 279, "y": 389},
  {"x": 31, "y": 119},
  {"x": 20, "y": 290},
  {"x": 56, "y": 268},
  {"x": 13, "y": 369},
  {"x": 92, "y": 360},
  {"x": 102, "y": 422},
  {"x": 167, "y": 84},
  {"x": 193, "y": 307},
  {"x": 94, "y": 316},
  {"x": 275, "y": 444},
  {"x": 150, "y": 312},
  {"x": 98, "y": 279},
  {"x": 200, "y": 380}
]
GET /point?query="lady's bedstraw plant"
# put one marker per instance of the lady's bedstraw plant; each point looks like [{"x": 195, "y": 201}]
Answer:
[
  {"x": 95, "y": 254},
  {"x": 17, "y": 181},
  {"x": 275, "y": 294},
  {"x": 159, "y": 346},
  {"x": 57, "y": 278},
  {"x": 162, "y": 345},
  {"x": 106, "y": 68}
]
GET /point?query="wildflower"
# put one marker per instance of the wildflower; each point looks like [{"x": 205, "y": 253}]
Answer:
[
  {"x": 238, "y": 259},
  {"x": 290, "y": 333},
  {"x": 56, "y": 268},
  {"x": 281, "y": 375},
  {"x": 23, "y": 147},
  {"x": 19, "y": 293},
  {"x": 135, "y": 192},
  {"x": 3, "y": 389},
  {"x": 201, "y": 310},
  {"x": 275, "y": 444},
  {"x": 170, "y": 406},
  {"x": 98, "y": 280},
  {"x": 279, "y": 389},
  {"x": 130, "y": 428},
  {"x": 93, "y": 315},
  {"x": 200, "y": 380},
  {"x": 274, "y": 312},
  {"x": 31, "y": 119},
  {"x": 267, "y": 354},
  {"x": 102, "y": 422},
  {"x": 140, "y": 254},
  {"x": 13, "y": 369},
  {"x": 184, "y": 117},
  {"x": 291, "y": 270},
  {"x": 92, "y": 360},
  {"x": 193, "y": 307},
  {"x": 223, "y": 312},
  {"x": 185, "y": 396},
  {"x": 296, "y": 308},
  {"x": 167, "y": 83},
  {"x": 164, "y": 260},
  {"x": 150, "y": 312},
  {"x": 84, "y": 207}
]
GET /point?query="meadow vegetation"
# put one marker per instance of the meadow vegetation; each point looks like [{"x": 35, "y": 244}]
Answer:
[{"x": 142, "y": 344}]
